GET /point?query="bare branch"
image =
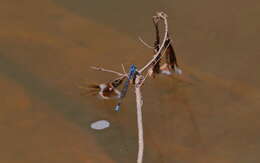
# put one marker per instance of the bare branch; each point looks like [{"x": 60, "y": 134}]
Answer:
[
  {"x": 169, "y": 43},
  {"x": 163, "y": 16},
  {"x": 143, "y": 79},
  {"x": 123, "y": 67},
  {"x": 145, "y": 44},
  {"x": 139, "y": 103},
  {"x": 107, "y": 70},
  {"x": 159, "y": 51}
]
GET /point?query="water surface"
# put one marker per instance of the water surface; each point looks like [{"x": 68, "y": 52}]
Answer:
[{"x": 210, "y": 114}]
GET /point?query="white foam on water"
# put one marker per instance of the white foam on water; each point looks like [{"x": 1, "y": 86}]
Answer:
[{"x": 100, "y": 125}]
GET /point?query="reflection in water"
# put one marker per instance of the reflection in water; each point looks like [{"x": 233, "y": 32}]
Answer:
[
  {"x": 207, "y": 115},
  {"x": 223, "y": 43}
]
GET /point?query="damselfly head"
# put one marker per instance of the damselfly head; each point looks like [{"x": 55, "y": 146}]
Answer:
[{"x": 133, "y": 68}]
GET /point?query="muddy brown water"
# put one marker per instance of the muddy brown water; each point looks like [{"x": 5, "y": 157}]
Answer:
[{"x": 210, "y": 114}]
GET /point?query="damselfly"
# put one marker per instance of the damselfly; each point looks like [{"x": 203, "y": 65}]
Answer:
[{"x": 131, "y": 76}]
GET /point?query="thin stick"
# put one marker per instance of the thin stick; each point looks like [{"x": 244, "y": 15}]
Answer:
[
  {"x": 139, "y": 82},
  {"x": 107, "y": 70},
  {"x": 123, "y": 67},
  {"x": 143, "y": 79},
  {"x": 163, "y": 52},
  {"x": 164, "y": 17},
  {"x": 145, "y": 44},
  {"x": 139, "y": 103}
]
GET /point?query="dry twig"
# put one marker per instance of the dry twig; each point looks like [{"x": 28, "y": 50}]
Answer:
[
  {"x": 145, "y": 44},
  {"x": 139, "y": 78}
]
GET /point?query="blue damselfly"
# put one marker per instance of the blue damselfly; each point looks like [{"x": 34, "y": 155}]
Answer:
[{"x": 131, "y": 76}]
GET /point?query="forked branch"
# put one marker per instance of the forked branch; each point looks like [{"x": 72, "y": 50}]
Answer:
[{"x": 138, "y": 79}]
